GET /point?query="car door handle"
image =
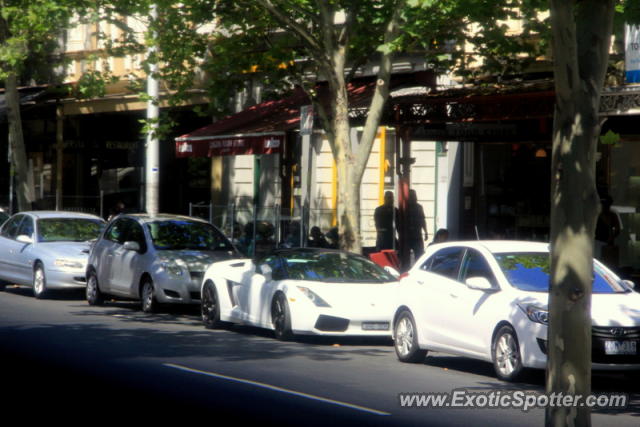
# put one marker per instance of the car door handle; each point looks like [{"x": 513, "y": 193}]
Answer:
[
  {"x": 420, "y": 282},
  {"x": 454, "y": 295}
]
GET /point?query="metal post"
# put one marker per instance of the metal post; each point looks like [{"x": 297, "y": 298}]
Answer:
[
  {"x": 59, "y": 154},
  {"x": 101, "y": 203},
  {"x": 153, "y": 147}
]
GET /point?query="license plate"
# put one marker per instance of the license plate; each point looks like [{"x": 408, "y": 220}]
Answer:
[
  {"x": 620, "y": 347},
  {"x": 375, "y": 326}
]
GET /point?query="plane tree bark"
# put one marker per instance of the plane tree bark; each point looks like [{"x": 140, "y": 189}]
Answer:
[{"x": 581, "y": 32}]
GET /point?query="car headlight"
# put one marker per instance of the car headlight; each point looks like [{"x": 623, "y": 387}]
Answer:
[
  {"x": 174, "y": 268},
  {"x": 68, "y": 264},
  {"x": 535, "y": 313},
  {"x": 319, "y": 302}
]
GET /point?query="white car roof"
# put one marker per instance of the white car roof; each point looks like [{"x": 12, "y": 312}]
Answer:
[
  {"x": 498, "y": 246},
  {"x": 145, "y": 218},
  {"x": 60, "y": 214}
]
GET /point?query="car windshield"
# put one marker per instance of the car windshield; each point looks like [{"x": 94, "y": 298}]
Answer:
[
  {"x": 530, "y": 272},
  {"x": 334, "y": 267},
  {"x": 68, "y": 229},
  {"x": 178, "y": 234}
]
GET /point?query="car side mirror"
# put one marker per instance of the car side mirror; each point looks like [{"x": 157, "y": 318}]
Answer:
[
  {"x": 480, "y": 283},
  {"x": 629, "y": 283},
  {"x": 266, "y": 271},
  {"x": 23, "y": 238},
  {"x": 131, "y": 246},
  {"x": 392, "y": 271}
]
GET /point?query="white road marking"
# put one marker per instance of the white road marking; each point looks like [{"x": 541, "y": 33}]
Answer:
[{"x": 279, "y": 389}]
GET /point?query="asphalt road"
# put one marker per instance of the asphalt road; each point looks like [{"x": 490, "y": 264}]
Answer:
[{"x": 62, "y": 360}]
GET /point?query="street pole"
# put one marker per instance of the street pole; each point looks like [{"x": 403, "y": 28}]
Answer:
[
  {"x": 59, "y": 154},
  {"x": 152, "y": 152},
  {"x": 306, "y": 163}
]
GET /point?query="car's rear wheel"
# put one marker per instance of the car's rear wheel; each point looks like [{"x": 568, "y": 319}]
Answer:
[
  {"x": 505, "y": 352},
  {"x": 406, "y": 339},
  {"x": 281, "y": 318},
  {"x": 149, "y": 301},
  {"x": 210, "y": 307},
  {"x": 94, "y": 296},
  {"x": 39, "y": 282}
]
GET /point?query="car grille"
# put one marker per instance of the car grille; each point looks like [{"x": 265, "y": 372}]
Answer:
[
  {"x": 331, "y": 323},
  {"x": 602, "y": 334},
  {"x": 197, "y": 275},
  {"x": 621, "y": 335}
]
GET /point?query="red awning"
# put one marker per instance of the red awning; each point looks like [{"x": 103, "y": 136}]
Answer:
[
  {"x": 261, "y": 129},
  {"x": 230, "y": 145}
]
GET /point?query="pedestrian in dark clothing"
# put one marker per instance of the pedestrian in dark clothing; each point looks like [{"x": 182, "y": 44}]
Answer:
[
  {"x": 334, "y": 238},
  {"x": 416, "y": 224},
  {"x": 116, "y": 210},
  {"x": 317, "y": 239},
  {"x": 442, "y": 235},
  {"x": 385, "y": 217},
  {"x": 607, "y": 229}
]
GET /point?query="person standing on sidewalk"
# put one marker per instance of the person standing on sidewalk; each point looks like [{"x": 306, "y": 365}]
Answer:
[
  {"x": 416, "y": 224},
  {"x": 385, "y": 217}
]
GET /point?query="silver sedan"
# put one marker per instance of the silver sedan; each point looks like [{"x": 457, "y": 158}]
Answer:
[
  {"x": 47, "y": 249},
  {"x": 155, "y": 259}
]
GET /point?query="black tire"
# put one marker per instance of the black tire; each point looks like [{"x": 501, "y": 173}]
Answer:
[
  {"x": 148, "y": 297},
  {"x": 505, "y": 353},
  {"x": 281, "y": 318},
  {"x": 93, "y": 294},
  {"x": 39, "y": 282},
  {"x": 405, "y": 339},
  {"x": 210, "y": 306}
]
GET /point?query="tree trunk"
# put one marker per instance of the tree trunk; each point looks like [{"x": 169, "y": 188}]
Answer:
[
  {"x": 23, "y": 178},
  {"x": 581, "y": 41},
  {"x": 348, "y": 185}
]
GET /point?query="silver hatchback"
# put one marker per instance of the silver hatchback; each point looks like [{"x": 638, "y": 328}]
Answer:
[
  {"x": 47, "y": 249},
  {"x": 155, "y": 259}
]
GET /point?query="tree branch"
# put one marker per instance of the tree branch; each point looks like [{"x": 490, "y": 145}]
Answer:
[
  {"x": 287, "y": 22},
  {"x": 381, "y": 92}
]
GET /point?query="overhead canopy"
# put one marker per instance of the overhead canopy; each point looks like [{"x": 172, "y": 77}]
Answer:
[{"x": 261, "y": 129}]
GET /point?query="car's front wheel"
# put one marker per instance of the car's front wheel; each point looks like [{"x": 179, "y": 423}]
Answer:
[
  {"x": 94, "y": 296},
  {"x": 39, "y": 282},
  {"x": 405, "y": 339},
  {"x": 149, "y": 302},
  {"x": 281, "y": 318},
  {"x": 210, "y": 306},
  {"x": 505, "y": 352}
]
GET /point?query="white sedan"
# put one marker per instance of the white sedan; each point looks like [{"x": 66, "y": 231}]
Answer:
[
  {"x": 301, "y": 291},
  {"x": 488, "y": 300},
  {"x": 47, "y": 249}
]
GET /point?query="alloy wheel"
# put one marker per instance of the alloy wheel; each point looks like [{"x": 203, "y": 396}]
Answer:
[
  {"x": 210, "y": 308},
  {"x": 507, "y": 360},
  {"x": 281, "y": 318},
  {"x": 94, "y": 297},
  {"x": 506, "y": 354},
  {"x": 404, "y": 336},
  {"x": 405, "y": 339},
  {"x": 148, "y": 299},
  {"x": 39, "y": 282}
]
